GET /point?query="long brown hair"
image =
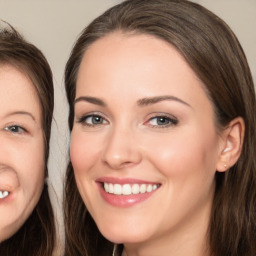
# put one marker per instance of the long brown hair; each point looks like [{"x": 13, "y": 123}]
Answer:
[
  {"x": 37, "y": 235},
  {"x": 214, "y": 53}
]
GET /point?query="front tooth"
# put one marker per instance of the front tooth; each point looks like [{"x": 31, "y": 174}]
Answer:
[
  {"x": 110, "y": 188},
  {"x": 117, "y": 189},
  {"x": 127, "y": 190},
  {"x": 149, "y": 188},
  {"x": 135, "y": 189}
]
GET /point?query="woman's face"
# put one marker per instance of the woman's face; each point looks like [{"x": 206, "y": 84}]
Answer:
[
  {"x": 21, "y": 150},
  {"x": 144, "y": 145}
]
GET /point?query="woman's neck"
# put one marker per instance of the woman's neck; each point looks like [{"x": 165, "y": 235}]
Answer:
[{"x": 187, "y": 247}]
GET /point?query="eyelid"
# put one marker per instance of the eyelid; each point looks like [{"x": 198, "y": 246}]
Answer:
[
  {"x": 81, "y": 119},
  {"x": 8, "y": 128},
  {"x": 173, "y": 120}
]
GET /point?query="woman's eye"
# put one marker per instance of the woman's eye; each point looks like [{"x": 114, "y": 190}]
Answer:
[
  {"x": 15, "y": 129},
  {"x": 163, "y": 121},
  {"x": 92, "y": 120}
]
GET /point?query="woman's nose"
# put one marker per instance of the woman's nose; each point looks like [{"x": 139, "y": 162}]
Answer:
[{"x": 121, "y": 149}]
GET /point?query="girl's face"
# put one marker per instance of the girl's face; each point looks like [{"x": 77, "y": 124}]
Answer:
[
  {"x": 21, "y": 150},
  {"x": 144, "y": 145}
]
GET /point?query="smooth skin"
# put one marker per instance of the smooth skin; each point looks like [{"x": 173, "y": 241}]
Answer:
[
  {"x": 142, "y": 113},
  {"x": 21, "y": 149}
]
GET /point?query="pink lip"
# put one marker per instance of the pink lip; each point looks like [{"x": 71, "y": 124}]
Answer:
[
  {"x": 123, "y": 201},
  {"x": 8, "y": 180},
  {"x": 7, "y": 199}
]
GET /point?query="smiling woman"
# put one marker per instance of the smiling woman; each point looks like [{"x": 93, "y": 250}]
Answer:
[
  {"x": 26, "y": 107},
  {"x": 162, "y": 150}
]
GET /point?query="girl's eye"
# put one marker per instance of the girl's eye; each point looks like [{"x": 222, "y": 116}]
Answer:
[
  {"x": 92, "y": 120},
  {"x": 163, "y": 121},
  {"x": 15, "y": 129}
]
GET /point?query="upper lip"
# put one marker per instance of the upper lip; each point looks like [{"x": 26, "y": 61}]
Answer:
[
  {"x": 122, "y": 181},
  {"x": 8, "y": 180}
]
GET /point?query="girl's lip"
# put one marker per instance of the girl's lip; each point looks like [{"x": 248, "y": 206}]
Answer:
[
  {"x": 8, "y": 180},
  {"x": 7, "y": 199},
  {"x": 124, "y": 201}
]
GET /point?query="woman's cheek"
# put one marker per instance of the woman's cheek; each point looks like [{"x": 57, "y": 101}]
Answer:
[
  {"x": 168, "y": 153},
  {"x": 76, "y": 151},
  {"x": 82, "y": 153},
  {"x": 176, "y": 154}
]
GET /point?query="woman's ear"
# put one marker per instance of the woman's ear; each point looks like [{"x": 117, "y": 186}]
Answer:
[{"x": 232, "y": 142}]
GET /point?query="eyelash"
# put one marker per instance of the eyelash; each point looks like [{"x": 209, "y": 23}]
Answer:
[
  {"x": 83, "y": 119},
  {"x": 10, "y": 128},
  {"x": 171, "y": 121}
]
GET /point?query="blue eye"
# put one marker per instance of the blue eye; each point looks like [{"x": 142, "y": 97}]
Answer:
[
  {"x": 163, "y": 121},
  {"x": 92, "y": 120},
  {"x": 15, "y": 129}
]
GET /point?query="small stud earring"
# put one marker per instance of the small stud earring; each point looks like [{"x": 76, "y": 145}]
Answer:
[{"x": 225, "y": 166}]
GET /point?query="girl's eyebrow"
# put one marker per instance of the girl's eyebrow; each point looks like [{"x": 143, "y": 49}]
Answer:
[
  {"x": 153, "y": 100},
  {"x": 21, "y": 113}
]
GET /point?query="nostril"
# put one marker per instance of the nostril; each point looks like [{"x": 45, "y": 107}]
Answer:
[{"x": 118, "y": 164}]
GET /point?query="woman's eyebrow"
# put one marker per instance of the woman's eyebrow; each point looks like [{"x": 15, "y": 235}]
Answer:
[
  {"x": 152, "y": 100},
  {"x": 141, "y": 102},
  {"x": 92, "y": 100}
]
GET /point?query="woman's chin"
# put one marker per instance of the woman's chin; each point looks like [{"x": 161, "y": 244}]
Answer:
[{"x": 118, "y": 236}]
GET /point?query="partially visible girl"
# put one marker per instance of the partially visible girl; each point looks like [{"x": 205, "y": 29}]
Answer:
[{"x": 26, "y": 109}]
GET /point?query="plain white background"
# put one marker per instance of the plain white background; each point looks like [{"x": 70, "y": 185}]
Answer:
[{"x": 53, "y": 26}]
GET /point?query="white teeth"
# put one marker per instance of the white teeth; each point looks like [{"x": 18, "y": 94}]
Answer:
[
  {"x": 3, "y": 194},
  {"x": 128, "y": 189},
  {"x": 117, "y": 189},
  {"x": 111, "y": 188},
  {"x": 154, "y": 187},
  {"x": 149, "y": 188},
  {"x": 106, "y": 187},
  {"x": 143, "y": 188},
  {"x": 135, "y": 189}
]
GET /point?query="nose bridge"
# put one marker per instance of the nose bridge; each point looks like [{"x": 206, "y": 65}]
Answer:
[{"x": 121, "y": 148}]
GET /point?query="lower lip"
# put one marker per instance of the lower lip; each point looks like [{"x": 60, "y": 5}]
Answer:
[
  {"x": 124, "y": 201},
  {"x": 7, "y": 199}
]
